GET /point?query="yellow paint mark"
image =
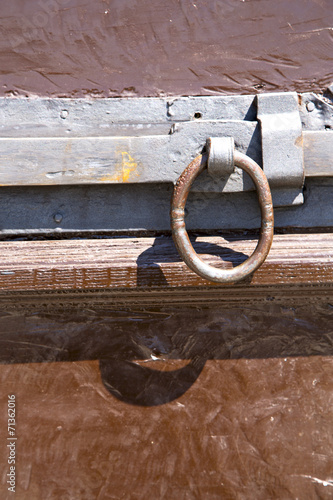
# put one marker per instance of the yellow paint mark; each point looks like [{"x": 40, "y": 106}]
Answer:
[
  {"x": 68, "y": 148},
  {"x": 129, "y": 165},
  {"x": 125, "y": 168}
]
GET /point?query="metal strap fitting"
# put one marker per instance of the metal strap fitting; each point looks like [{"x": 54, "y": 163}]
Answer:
[
  {"x": 281, "y": 141},
  {"x": 220, "y": 156}
]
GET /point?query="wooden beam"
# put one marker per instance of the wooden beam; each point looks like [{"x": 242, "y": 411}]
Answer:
[
  {"x": 318, "y": 153},
  {"x": 138, "y": 264}
]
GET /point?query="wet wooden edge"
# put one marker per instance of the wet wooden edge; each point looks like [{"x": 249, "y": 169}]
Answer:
[{"x": 149, "y": 269}]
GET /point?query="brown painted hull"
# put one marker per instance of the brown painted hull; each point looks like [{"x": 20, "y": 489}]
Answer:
[
  {"x": 170, "y": 403},
  {"x": 175, "y": 47},
  {"x": 150, "y": 390}
]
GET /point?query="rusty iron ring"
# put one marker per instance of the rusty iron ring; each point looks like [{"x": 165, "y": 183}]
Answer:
[{"x": 180, "y": 236}]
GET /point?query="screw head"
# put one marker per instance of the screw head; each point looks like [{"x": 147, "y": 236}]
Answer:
[
  {"x": 57, "y": 218},
  {"x": 64, "y": 114},
  {"x": 310, "y": 106}
]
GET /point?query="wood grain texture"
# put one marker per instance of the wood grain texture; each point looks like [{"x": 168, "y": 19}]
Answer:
[
  {"x": 318, "y": 153},
  {"x": 46, "y": 161},
  {"x": 33, "y": 161},
  {"x": 135, "y": 264}
]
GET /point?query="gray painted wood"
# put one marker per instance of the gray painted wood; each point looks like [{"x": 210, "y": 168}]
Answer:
[
  {"x": 32, "y": 161},
  {"x": 110, "y": 141},
  {"x": 77, "y": 160},
  {"x": 44, "y": 117},
  {"x": 318, "y": 153}
]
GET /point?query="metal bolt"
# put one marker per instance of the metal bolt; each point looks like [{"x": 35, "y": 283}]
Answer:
[
  {"x": 57, "y": 218},
  {"x": 64, "y": 114},
  {"x": 310, "y": 106}
]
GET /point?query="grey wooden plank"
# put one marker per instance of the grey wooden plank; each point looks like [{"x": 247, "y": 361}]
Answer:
[
  {"x": 145, "y": 207},
  {"x": 44, "y": 117},
  {"x": 318, "y": 153},
  {"x": 31, "y": 161}
]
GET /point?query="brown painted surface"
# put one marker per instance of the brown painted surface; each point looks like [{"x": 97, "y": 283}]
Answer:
[
  {"x": 187, "y": 403},
  {"x": 158, "y": 47},
  {"x": 230, "y": 401}
]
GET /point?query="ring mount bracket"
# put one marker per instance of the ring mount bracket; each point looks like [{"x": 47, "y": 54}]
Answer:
[{"x": 220, "y": 150}]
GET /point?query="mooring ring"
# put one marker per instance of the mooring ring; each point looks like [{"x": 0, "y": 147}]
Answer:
[{"x": 180, "y": 236}]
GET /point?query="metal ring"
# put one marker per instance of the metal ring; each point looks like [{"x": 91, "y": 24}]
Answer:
[{"x": 180, "y": 235}]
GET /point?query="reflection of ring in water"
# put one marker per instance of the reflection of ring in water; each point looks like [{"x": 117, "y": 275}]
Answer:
[{"x": 135, "y": 384}]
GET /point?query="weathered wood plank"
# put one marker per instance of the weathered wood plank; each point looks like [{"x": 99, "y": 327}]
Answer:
[
  {"x": 44, "y": 117},
  {"x": 79, "y": 160},
  {"x": 318, "y": 153},
  {"x": 32, "y": 161},
  {"x": 45, "y": 161},
  {"x": 148, "y": 263}
]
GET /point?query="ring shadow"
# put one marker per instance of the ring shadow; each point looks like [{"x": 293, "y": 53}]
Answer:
[
  {"x": 149, "y": 270},
  {"x": 139, "y": 385}
]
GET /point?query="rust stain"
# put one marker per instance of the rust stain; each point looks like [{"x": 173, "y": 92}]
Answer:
[{"x": 299, "y": 141}]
